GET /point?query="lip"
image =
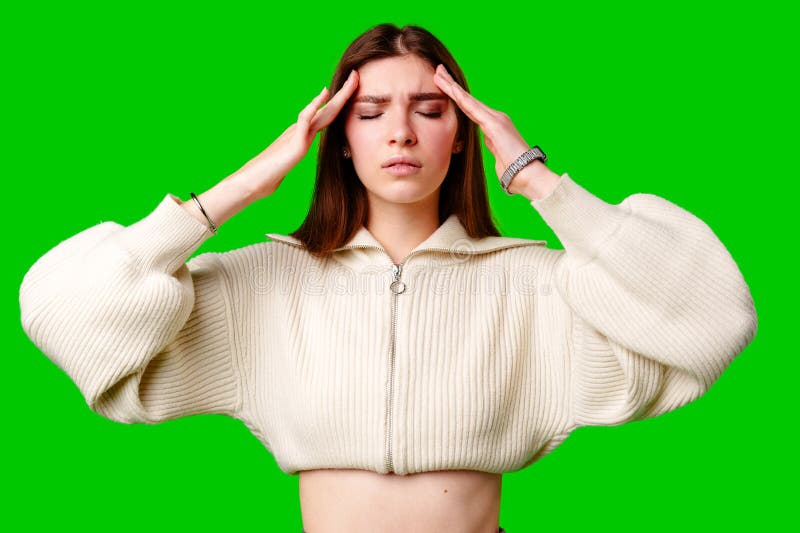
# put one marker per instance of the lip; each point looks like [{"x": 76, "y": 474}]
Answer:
[
  {"x": 401, "y": 160},
  {"x": 402, "y": 169}
]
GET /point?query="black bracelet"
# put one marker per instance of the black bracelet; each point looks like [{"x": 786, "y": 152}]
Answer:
[{"x": 211, "y": 225}]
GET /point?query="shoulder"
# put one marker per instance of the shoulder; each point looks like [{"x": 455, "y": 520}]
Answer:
[
  {"x": 517, "y": 252},
  {"x": 243, "y": 262},
  {"x": 505, "y": 246}
]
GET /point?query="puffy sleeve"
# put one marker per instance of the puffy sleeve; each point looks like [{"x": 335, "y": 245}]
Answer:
[
  {"x": 144, "y": 335},
  {"x": 658, "y": 307}
]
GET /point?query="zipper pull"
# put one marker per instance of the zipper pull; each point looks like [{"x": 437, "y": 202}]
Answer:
[{"x": 397, "y": 286}]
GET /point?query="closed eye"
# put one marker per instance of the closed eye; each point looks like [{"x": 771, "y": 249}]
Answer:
[{"x": 429, "y": 115}]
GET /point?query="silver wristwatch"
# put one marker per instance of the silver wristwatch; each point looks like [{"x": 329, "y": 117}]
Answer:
[{"x": 519, "y": 163}]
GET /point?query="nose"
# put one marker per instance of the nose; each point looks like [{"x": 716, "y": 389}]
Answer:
[{"x": 400, "y": 131}]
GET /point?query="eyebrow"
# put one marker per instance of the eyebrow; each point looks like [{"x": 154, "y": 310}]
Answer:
[{"x": 415, "y": 97}]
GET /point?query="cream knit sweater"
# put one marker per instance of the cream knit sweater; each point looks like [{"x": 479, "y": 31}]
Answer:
[{"x": 485, "y": 355}]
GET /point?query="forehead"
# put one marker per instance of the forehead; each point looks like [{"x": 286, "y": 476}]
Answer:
[{"x": 396, "y": 77}]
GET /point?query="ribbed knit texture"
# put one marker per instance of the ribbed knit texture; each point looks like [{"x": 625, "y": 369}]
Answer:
[{"x": 497, "y": 349}]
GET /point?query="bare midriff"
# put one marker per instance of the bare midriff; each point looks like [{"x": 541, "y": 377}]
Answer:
[{"x": 347, "y": 501}]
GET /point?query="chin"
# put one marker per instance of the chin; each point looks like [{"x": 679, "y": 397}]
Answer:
[{"x": 405, "y": 191}]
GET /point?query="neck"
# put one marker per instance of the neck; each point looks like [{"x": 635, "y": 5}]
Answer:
[{"x": 399, "y": 227}]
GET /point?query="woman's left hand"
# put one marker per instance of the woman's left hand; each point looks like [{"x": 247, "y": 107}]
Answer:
[{"x": 502, "y": 139}]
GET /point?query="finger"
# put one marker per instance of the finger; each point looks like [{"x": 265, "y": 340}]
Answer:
[
  {"x": 335, "y": 105},
  {"x": 455, "y": 86},
  {"x": 326, "y": 115},
  {"x": 457, "y": 100},
  {"x": 465, "y": 101},
  {"x": 308, "y": 111},
  {"x": 476, "y": 110}
]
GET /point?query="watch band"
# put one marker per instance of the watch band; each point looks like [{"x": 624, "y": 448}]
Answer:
[{"x": 519, "y": 163}]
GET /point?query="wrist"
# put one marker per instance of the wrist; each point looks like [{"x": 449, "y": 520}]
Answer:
[{"x": 534, "y": 181}]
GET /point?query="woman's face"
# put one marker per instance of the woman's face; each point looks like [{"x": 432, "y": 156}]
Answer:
[{"x": 411, "y": 117}]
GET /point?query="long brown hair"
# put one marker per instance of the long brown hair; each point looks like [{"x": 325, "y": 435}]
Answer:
[{"x": 339, "y": 204}]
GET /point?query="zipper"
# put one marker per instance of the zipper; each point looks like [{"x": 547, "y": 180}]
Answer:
[{"x": 398, "y": 287}]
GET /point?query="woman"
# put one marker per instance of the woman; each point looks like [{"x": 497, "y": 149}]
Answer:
[{"x": 396, "y": 351}]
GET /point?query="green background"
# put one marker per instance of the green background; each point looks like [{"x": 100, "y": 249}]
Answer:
[{"x": 107, "y": 108}]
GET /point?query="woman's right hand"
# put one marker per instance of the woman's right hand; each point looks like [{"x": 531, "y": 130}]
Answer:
[{"x": 265, "y": 172}]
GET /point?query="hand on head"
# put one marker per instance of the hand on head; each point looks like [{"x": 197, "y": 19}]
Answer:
[
  {"x": 501, "y": 137},
  {"x": 266, "y": 171}
]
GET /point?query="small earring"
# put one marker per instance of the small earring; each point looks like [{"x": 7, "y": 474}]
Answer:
[
  {"x": 346, "y": 153},
  {"x": 458, "y": 147}
]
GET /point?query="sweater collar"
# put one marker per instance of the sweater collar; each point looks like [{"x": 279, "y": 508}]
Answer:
[{"x": 450, "y": 236}]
